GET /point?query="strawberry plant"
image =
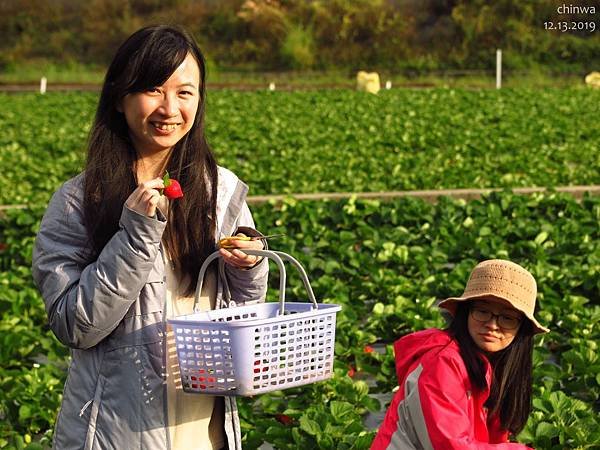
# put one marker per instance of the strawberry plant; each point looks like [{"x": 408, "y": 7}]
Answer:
[
  {"x": 331, "y": 141},
  {"x": 386, "y": 262},
  {"x": 560, "y": 422},
  {"x": 323, "y": 415}
]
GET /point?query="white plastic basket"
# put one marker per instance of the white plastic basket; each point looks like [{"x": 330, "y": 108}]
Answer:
[{"x": 258, "y": 348}]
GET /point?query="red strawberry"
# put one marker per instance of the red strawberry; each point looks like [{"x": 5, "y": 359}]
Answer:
[
  {"x": 172, "y": 188},
  {"x": 284, "y": 419},
  {"x": 351, "y": 371},
  {"x": 368, "y": 349}
]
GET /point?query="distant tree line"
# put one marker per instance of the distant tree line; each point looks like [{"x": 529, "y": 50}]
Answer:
[{"x": 400, "y": 35}]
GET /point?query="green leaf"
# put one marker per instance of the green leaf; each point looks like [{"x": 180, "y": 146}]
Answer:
[
  {"x": 378, "y": 308},
  {"x": 24, "y": 412},
  {"x": 485, "y": 231},
  {"x": 526, "y": 436},
  {"x": 540, "y": 238},
  {"x": 341, "y": 411},
  {"x": 545, "y": 429},
  {"x": 34, "y": 446},
  {"x": 372, "y": 404},
  {"x": 166, "y": 179},
  {"x": 361, "y": 387},
  {"x": 309, "y": 426},
  {"x": 541, "y": 404},
  {"x": 325, "y": 442},
  {"x": 363, "y": 441},
  {"x": 296, "y": 435}
]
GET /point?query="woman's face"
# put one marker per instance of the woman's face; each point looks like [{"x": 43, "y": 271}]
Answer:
[
  {"x": 498, "y": 331},
  {"x": 160, "y": 117}
]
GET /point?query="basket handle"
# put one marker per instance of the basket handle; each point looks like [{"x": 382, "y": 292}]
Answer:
[
  {"x": 294, "y": 262},
  {"x": 303, "y": 275},
  {"x": 275, "y": 256}
]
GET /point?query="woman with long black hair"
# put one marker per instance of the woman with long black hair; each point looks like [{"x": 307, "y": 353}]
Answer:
[
  {"x": 114, "y": 258},
  {"x": 469, "y": 386}
]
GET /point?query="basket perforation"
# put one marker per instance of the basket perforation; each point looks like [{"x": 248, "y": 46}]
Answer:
[
  {"x": 254, "y": 349},
  {"x": 229, "y": 356}
]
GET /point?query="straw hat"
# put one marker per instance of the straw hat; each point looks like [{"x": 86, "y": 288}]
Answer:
[{"x": 504, "y": 280}]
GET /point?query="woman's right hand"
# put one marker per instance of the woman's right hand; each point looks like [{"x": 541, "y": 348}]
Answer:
[{"x": 145, "y": 197}]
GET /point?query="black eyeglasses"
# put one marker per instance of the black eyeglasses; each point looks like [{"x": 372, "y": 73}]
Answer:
[{"x": 506, "y": 322}]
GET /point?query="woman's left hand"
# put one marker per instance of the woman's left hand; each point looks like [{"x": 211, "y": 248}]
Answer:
[{"x": 237, "y": 258}]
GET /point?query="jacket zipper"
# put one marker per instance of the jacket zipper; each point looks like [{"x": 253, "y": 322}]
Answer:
[
  {"x": 88, "y": 403},
  {"x": 164, "y": 348}
]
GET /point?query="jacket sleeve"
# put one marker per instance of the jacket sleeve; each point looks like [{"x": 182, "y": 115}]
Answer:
[
  {"x": 439, "y": 408},
  {"x": 247, "y": 285},
  {"x": 86, "y": 299}
]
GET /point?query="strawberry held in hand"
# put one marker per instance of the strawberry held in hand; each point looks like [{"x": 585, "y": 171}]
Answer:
[{"x": 172, "y": 188}]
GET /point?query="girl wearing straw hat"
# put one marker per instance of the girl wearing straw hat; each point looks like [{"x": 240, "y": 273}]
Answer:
[{"x": 469, "y": 386}]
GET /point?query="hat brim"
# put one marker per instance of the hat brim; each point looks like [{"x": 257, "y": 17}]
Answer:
[{"x": 450, "y": 303}]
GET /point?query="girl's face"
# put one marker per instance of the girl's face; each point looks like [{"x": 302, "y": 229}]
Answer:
[
  {"x": 160, "y": 117},
  {"x": 493, "y": 324}
]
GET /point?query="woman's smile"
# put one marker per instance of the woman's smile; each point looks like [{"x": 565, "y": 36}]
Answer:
[{"x": 165, "y": 128}]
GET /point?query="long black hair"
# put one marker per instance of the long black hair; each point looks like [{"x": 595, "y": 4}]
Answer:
[
  {"x": 146, "y": 60},
  {"x": 510, "y": 392}
]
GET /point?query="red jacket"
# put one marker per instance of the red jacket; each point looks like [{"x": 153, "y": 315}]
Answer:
[{"x": 436, "y": 406}]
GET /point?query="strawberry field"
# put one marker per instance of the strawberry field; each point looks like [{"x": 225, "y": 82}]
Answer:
[
  {"x": 332, "y": 141},
  {"x": 385, "y": 262}
]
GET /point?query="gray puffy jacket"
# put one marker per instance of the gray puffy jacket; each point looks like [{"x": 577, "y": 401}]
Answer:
[{"x": 110, "y": 312}]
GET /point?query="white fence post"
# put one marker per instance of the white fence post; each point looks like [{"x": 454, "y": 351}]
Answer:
[
  {"x": 498, "y": 69},
  {"x": 43, "y": 83}
]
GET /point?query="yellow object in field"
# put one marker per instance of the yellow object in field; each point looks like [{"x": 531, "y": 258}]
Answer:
[
  {"x": 593, "y": 79},
  {"x": 368, "y": 82}
]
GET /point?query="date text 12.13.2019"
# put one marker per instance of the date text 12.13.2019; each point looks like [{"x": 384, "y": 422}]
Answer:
[{"x": 565, "y": 26}]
